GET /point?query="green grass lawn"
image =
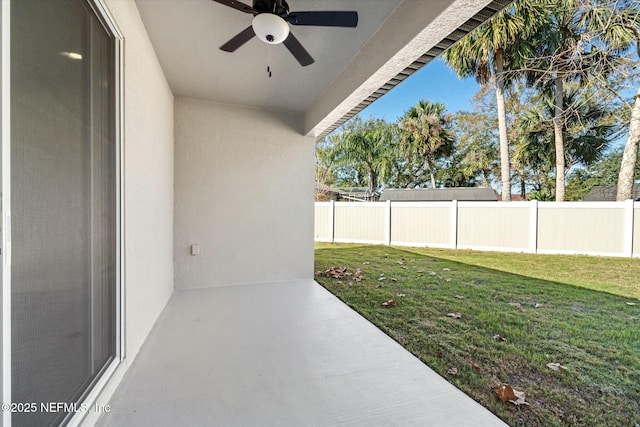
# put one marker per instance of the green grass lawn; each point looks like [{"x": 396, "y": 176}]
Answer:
[{"x": 518, "y": 312}]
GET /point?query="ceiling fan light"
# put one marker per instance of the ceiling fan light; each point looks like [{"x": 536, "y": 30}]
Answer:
[{"x": 270, "y": 28}]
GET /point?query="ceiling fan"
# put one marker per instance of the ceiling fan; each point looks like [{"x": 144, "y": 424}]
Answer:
[{"x": 271, "y": 19}]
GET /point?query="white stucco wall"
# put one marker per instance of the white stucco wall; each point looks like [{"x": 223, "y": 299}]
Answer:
[
  {"x": 244, "y": 193},
  {"x": 148, "y": 180}
]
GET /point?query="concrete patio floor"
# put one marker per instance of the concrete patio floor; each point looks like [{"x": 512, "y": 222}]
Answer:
[{"x": 280, "y": 354}]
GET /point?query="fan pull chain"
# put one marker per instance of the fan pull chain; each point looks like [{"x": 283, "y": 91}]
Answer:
[{"x": 269, "y": 61}]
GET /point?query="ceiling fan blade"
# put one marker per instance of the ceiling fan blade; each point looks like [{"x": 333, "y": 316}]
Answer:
[
  {"x": 243, "y": 37},
  {"x": 341, "y": 18},
  {"x": 237, "y": 5},
  {"x": 299, "y": 52}
]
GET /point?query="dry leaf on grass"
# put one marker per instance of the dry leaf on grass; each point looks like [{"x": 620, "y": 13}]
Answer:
[
  {"x": 401, "y": 295},
  {"x": 556, "y": 366},
  {"x": 517, "y": 305},
  {"x": 499, "y": 337},
  {"x": 390, "y": 303},
  {"x": 336, "y": 272},
  {"x": 452, "y": 371},
  {"x": 458, "y": 296},
  {"x": 537, "y": 305},
  {"x": 454, "y": 315},
  {"x": 439, "y": 354},
  {"x": 631, "y": 303},
  {"x": 506, "y": 393},
  {"x": 476, "y": 367},
  {"x": 446, "y": 269}
]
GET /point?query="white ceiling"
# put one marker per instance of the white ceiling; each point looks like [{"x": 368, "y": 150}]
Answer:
[{"x": 191, "y": 32}]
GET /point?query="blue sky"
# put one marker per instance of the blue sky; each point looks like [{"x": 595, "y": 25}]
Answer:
[{"x": 433, "y": 82}]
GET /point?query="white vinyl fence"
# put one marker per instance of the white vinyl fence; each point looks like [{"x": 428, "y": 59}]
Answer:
[{"x": 591, "y": 228}]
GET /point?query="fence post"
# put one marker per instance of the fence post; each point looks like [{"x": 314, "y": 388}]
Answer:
[
  {"x": 628, "y": 227},
  {"x": 454, "y": 224},
  {"x": 533, "y": 227},
  {"x": 387, "y": 235},
  {"x": 332, "y": 221}
]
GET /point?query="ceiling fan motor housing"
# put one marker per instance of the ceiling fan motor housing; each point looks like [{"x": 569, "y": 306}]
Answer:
[
  {"x": 270, "y": 28},
  {"x": 280, "y": 8}
]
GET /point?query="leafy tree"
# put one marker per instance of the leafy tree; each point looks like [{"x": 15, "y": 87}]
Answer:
[
  {"x": 498, "y": 45},
  {"x": 604, "y": 171},
  {"x": 364, "y": 148},
  {"x": 586, "y": 133},
  {"x": 426, "y": 135},
  {"x": 578, "y": 40},
  {"x": 618, "y": 28},
  {"x": 477, "y": 150},
  {"x": 325, "y": 171},
  {"x": 454, "y": 172}
]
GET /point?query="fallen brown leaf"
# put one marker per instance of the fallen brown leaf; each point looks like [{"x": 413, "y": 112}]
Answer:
[
  {"x": 454, "y": 315},
  {"x": 476, "y": 367},
  {"x": 556, "y": 366},
  {"x": 506, "y": 393},
  {"x": 453, "y": 371},
  {"x": 337, "y": 272},
  {"x": 517, "y": 305},
  {"x": 390, "y": 303},
  {"x": 439, "y": 354}
]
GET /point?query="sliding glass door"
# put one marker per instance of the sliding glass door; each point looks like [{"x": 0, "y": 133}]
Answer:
[{"x": 64, "y": 206}]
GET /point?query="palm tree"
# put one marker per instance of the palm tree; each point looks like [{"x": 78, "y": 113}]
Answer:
[
  {"x": 494, "y": 47},
  {"x": 425, "y": 133},
  {"x": 586, "y": 133},
  {"x": 578, "y": 41},
  {"x": 630, "y": 155},
  {"x": 618, "y": 28},
  {"x": 365, "y": 145}
]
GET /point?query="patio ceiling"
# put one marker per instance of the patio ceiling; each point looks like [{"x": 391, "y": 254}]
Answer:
[{"x": 352, "y": 68}]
